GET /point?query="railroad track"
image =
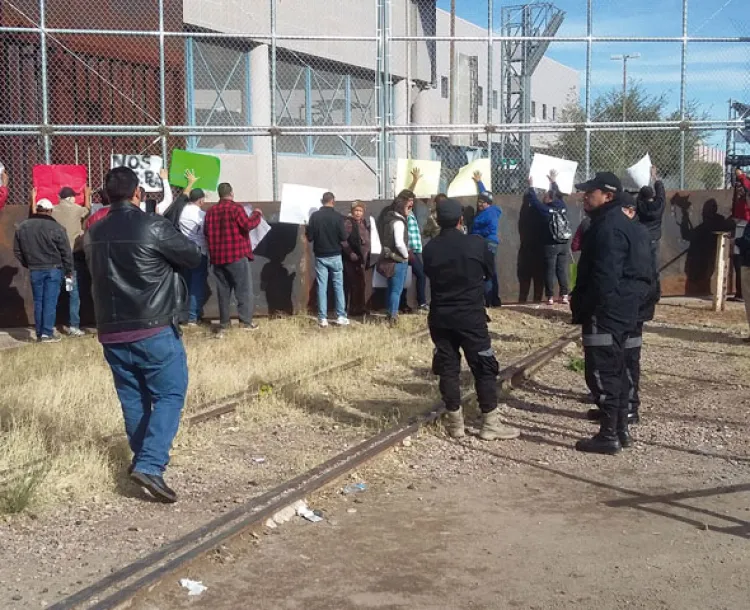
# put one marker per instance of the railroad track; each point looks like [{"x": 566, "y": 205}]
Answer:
[{"x": 120, "y": 587}]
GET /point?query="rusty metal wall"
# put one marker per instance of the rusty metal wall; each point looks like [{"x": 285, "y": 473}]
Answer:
[{"x": 283, "y": 271}]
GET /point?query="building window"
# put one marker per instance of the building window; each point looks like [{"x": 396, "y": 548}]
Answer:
[
  {"x": 218, "y": 93},
  {"x": 495, "y": 99},
  {"x": 480, "y": 94},
  {"x": 323, "y": 96},
  {"x": 554, "y": 113},
  {"x": 533, "y": 110},
  {"x": 444, "y": 87},
  {"x": 544, "y": 112}
]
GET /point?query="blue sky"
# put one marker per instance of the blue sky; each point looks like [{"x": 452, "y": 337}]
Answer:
[{"x": 716, "y": 72}]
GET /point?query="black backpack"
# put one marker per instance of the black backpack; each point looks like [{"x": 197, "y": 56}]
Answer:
[{"x": 559, "y": 227}]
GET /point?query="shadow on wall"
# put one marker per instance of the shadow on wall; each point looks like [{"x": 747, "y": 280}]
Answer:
[
  {"x": 276, "y": 281},
  {"x": 12, "y": 301},
  {"x": 700, "y": 263}
]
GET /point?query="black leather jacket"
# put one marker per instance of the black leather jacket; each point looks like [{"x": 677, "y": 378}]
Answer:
[{"x": 134, "y": 259}]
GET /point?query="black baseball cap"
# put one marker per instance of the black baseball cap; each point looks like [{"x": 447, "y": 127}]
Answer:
[
  {"x": 486, "y": 196},
  {"x": 449, "y": 212},
  {"x": 196, "y": 195},
  {"x": 603, "y": 181},
  {"x": 628, "y": 201}
]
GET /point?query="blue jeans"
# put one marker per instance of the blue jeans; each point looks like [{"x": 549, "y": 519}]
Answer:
[
  {"x": 334, "y": 266},
  {"x": 151, "y": 379},
  {"x": 491, "y": 284},
  {"x": 395, "y": 287},
  {"x": 196, "y": 283},
  {"x": 45, "y": 286}
]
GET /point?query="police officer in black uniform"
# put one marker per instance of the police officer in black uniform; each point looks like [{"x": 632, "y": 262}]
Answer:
[
  {"x": 457, "y": 265},
  {"x": 613, "y": 282}
]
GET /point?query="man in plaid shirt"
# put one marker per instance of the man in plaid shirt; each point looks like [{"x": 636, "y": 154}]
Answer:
[
  {"x": 227, "y": 228},
  {"x": 414, "y": 235}
]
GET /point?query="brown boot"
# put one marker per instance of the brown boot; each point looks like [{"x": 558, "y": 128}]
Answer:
[
  {"x": 493, "y": 428},
  {"x": 454, "y": 423}
]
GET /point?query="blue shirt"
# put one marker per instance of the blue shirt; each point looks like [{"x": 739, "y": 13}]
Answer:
[{"x": 486, "y": 224}]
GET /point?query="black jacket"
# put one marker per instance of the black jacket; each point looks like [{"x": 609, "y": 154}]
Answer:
[
  {"x": 648, "y": 306},
  {"x": 614, "y": 272},
  {"x": 42, "y": 243},
  {"x": 134, "y": 259},
  {"x": 650, "y": 212},
  {"x": 326, "y": 231},
  {"x": 457, "y": 266}
]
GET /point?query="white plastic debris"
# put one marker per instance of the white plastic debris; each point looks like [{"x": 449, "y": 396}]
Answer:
[
  {"x": 259, "y": 460},
  {"x": 305, "y": 512},
  {"x": 194, "y": 587}
]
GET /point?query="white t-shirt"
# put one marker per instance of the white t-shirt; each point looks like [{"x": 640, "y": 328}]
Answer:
[{"x": 191, "y": 225}]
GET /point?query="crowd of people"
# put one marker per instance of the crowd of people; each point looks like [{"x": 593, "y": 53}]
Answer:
[{"x": 148, "y": 263}]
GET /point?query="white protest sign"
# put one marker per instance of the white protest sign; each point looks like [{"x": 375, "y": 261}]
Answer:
[
  {"x": 259, "y": 232},
  {"x": 428, "y": 184},
  {"x": 463, "y": 184},
  {"x": 640, "y": 173},
  {"x": 146, "y": 166},
  {"x": 375, "y": 245},
  {"x": 541, "y": 167},
  {"x": 298, "y": 202},
  {"x": 380, "y": 281}
]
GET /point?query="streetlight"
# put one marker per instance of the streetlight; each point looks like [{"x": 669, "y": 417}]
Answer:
[{"x": 624, "y": 59}]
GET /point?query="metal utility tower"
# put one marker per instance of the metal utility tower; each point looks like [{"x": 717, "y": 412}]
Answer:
[
  {"x": 519, "y": 60},
  {"x": 737, "y": 139}
]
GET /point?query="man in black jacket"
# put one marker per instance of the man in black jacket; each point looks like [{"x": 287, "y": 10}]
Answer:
[
  {"x": 41, "y": 245},
  {"x": 650, "y": 207},
  {"x": 613, "y": 281},
  {"x": 135, "y": 261},
  {"x": 458, "y": 265}
]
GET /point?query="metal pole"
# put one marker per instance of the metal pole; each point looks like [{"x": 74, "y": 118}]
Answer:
[
  {"x": 452, "y": 67},
  {"x": 387, "y": 96},
  {"x": 380, "y": 99},
  {"x": 162, "y": 85},
  {"x": 729, "y": 151},
  {"x": 272, "y": 84},
  {"x": 45, "y": 84},
  {"x": 624, "y": 106},
  {"x": 490, "y": 79},
  {"x": 589, "y": 50},
  {"x": 408, "y": 6},
  {"x": 683, "y": 88}
]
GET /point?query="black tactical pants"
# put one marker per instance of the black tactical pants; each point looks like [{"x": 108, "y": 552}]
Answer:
[
  {"x": 633, "y": 345},
  {"x": 607, "y": 376},
  {"x": 446, "y": 363}
]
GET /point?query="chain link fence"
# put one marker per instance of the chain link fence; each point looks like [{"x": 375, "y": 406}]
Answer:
[{"x": 333, "y": 94}]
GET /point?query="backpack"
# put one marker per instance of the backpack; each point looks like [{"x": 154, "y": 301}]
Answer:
[{"x": 559, "y": 227}]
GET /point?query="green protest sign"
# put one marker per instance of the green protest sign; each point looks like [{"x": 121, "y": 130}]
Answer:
[{"x": 205, "y": 167}]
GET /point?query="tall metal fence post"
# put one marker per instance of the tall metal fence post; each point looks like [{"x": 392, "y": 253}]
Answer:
[
  {"x": 589, "y": 51},
  {"x": 45, "y": 83},
  {"x": 274, "y": 143},
  {"x": 683, "y": 89},
  {"x": 380, "y": 119},
  {"x": 162, "y": 86},
  {"x": 387, "y": 97},
  {"x": 490, "y": 80}
]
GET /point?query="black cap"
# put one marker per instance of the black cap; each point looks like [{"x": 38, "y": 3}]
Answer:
[
  {"x": 628, "y": 201},
  {"x": 486, "y": 197},
  {"x": 647, "y": 192},
  {"x": 66, "y": 192},
  {"x": 449, "y": 212},
  {"x": 604, "y": 181},
  {"x": 196, "y": 195}
]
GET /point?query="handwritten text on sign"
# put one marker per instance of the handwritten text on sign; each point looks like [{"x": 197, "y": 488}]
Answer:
[{"x": 146, "y": 166}]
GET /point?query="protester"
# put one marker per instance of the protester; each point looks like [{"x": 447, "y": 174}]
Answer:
[
  {"x": 101, "y": 212},
  {"x": 71, "y": 216},
  {"x": 150, "y": 206},
  {"x": 227, "y": 229},
  {"x": 431, "y": 227},
  {"x": 356, "y": 259},
  {"x": 326, "y": 232},
  {"x": 555, "y": 236},
  {"x": 4, "y": 191},
  {"x": 135, "y": 260},
  {"x": 457, "y": 265},
  {"x": 414, "y": 245},
  {"x": 190, "y": 223},
  {"x": 650, "y": 206},
  {"x": 743, "y": 244},
  {"x": 42, "y": 246},
  {"x": 741, "y": 216},
  {"x": 614, "y": 279},
  {"x": 486, "y": 226},
  {"x": 394, "y": 259}
]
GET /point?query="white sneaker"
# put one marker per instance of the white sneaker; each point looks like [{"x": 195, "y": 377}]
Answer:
[
  {"x": 75, "y": 332},
  {"x": 550, "y": 301},
  {"x": 323, "y": 323},
  {"x": 342, "y": 321},
  {"x": 565, "y": 300}
]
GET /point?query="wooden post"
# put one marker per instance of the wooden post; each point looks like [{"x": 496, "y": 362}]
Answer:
[{"x": 722, "y": 268}]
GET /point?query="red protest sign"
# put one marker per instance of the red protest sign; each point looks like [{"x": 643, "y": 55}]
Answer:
[{"x": 49, "y": 179}]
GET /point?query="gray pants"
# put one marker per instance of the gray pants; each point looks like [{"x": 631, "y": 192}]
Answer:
[{"x": 236, "y": 277}]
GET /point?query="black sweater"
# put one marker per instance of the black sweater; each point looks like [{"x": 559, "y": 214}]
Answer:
[{"x": 326, "y": 231}]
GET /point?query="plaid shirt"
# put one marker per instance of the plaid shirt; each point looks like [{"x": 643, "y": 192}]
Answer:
[
  {"x": 227, "y": 228},
  {"x": 415, "y": 235}
]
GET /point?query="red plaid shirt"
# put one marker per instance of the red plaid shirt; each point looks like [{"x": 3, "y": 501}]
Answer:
[{"x": 227, "y": 228}]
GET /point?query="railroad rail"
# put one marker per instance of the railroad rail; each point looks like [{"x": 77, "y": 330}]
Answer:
[{"x": 122, "y": 586}]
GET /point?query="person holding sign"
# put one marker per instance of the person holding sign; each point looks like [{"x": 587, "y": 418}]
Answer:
[
  {"x": 326, "y": 232},
  {"x": 356, "y": 258},
  {"x": 227, "y": 229},
  {"x": 4, "y": 192},
  {"x": 486, "y": 226}
]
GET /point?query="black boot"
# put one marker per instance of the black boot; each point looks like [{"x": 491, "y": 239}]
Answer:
[
  {"x": 623, "y": 434},
  {"x": 633, "y": 416},
  {"x": 594, "y": 414},
  {"x": 606, "y": 442},
  {"x": 156, "y": 486}
]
